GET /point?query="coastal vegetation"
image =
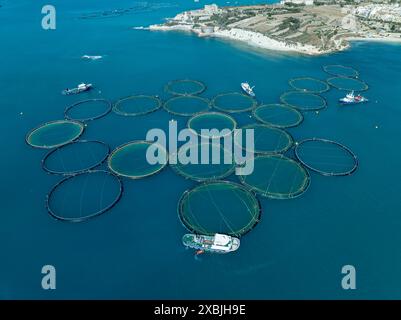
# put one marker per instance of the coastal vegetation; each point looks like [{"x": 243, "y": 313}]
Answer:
[{"x": 318, "y": 28}]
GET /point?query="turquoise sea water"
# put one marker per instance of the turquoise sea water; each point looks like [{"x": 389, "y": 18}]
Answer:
[{"x": 135, "y": 250}]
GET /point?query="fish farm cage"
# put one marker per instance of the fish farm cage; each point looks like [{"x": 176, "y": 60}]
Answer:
[
  {"x": 278, "y": 115},
  {"x": 277, "y": 177},
  {"x": 186, "y": 105},
  {"x": 130, "y": 159},
  {"x": 185, "y": 87},
  {"x": 84, "y": 196},
  {"x": 88, "y": 110},
  {"x": 341, "y": 71},
  {"x": 136, "y": 105},
  {"x": 309, "y": 85},
  {"x": 303, "y": 101},
  {"x": 233, "y": 102},
  {"x": 219, "y": 207},
  {"x": 212, "y": 120},
  {"x": 218, "y": 165},
  {"x": 326, "y": 157},
  {"x": 75, "y": 157},
  {"x": 267, "y": 140},
  {"x": 348, "y": 84},
  {"x": 54, "y": 134}
]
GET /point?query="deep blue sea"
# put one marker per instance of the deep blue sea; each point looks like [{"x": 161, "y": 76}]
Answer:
[{"x": 135, "y": 251}]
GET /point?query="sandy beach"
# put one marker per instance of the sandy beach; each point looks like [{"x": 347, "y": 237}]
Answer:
[
  {"x": 262, "y": 41},
  {"x": 249, "y": 37}
]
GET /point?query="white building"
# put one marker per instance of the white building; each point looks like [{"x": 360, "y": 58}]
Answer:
[
  {"x": 201, "y": 14},
  {"x": 300, "y": 2},
  {"x": 211, "y": 9},
  {"x": 381, "y": 12},
  {"x": 207, "y": 29}
]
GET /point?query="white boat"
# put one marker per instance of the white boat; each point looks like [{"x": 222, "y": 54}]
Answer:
[
  {"x": 80, "y": 88},
  {"x": 248, "y": 89},
  {"x": 351, "y": 98},
  {"x": 219, "y": 243},
  {"x": 87, "y": 57}
]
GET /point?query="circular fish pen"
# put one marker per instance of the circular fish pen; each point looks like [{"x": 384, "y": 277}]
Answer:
[
  {"x": 137, "y": 105},
  {"x": 341, "y": 71},
  {"x": 131, "y": 160},
  {"x": 75, "y": 157},
  {"x": 267, "y": 140},
  {"x": 233, "y": 102},
  {"x": 310, "y": 85},
  {"x": 185, "y": 87},
  {"x": 348, "y": 84},
  {"x": 303, "y": 101},
  {"x": 219, "y": 207},
  {"x": 278, "y": 115},
  {"x": 210, "y": 162},
  {"x": 277, "y": 177},
  {"x": 54, "y": 134},
  {"x": 83, "y": 196},
  {"x": 326, "y": 157},
  {"x": 186, "y": 105},
  {"x": 88, "y": 110},
  {"x": 221, "y": 122}
]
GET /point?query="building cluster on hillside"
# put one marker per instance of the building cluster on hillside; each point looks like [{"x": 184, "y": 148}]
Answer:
[
  {"x": 298, "y": 2},
  {"x": 381, "y": 12},
  {"x": 200, "y": 15}
]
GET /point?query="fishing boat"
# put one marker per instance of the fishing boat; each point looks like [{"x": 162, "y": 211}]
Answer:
[
  {"x": 351, "y": 98},
  {"x": 219, "y": 243},
  {"x": 248, "y": 89},
  {"x": 81, "y": 88}
]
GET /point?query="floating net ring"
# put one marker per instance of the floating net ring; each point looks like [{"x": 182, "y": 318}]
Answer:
[
  {"x": 278, "y": 115},
  {"x": 303, "y": 101},
  {"x": 131, "y": 160},
  {"x": 348, "y": 84},
  {"x": 341, "y": 71},
  {"x": 277, "y": 177},
  {"x": 219, "y": 162},
  {"x": 54, "y": 134},
  {"x": 310, "y": 85},
  {"x": 329, "y": 158},
  {"x": 267, "y": 140},
  {"x": 137, "y": 105},
  {"x": 219, "y": 207},
  {"x": 185, "y": 87},
  {"x": 83, "y": 196},
  {"x": 75, "y": 157},
  {"x": 233, "y": 102},
  {"x": 88, "y": 110},
  {"x": 218, "y": 124},
  {"x": 186, "y": 105}
]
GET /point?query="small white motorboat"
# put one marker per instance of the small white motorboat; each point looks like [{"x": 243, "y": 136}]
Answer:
[
  {"x": 87, "y": 57},
  {"x": 248, "y": 89},
  {"x": 81, "y": 88}
]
